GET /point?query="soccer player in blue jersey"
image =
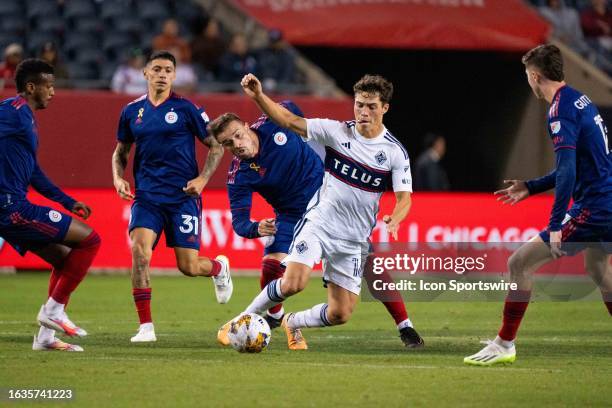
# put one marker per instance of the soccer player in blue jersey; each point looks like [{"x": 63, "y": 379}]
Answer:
[
  {"x": 276, "y": 163},
  {"x": 66, "y": 243},
  {"x": 583, "y": 173},
  {"x": 163, "y": 126}
]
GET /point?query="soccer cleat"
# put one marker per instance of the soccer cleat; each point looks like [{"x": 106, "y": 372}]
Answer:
[
  {"x": 411, "y": 338},
  {"x": 59, "y": 323},
  {"x": 223, "y": 334},
  {"x": 223, "y": 282},
  {"x": 493, "y": 353},
  {"x": 272, "y": 321},
  {"x": 146, "y": 334},
  {"x": 79, "y": 330},
  {"x": 55, "y": 344},
  {"x": 295, "y": 340}
]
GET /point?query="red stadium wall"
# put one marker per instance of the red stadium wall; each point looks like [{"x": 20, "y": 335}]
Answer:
[
  {"x": 77, "y": 131},
  {"x": 433, "y": 218}
]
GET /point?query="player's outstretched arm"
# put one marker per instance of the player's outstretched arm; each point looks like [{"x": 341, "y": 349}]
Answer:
[
  {"x": 120, "y": 160},
  {"x": 515, "y": 192},
  {"x": 215, "y": 154},
  {"x": 279, "y": 114},
  {"x": 403, "y": 202}
]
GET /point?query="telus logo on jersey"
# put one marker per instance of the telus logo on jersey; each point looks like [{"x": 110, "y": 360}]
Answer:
[{"x": 354, "y": 173}]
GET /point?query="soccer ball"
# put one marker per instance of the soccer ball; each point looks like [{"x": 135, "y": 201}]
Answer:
[{"x": 249, "y": 333}]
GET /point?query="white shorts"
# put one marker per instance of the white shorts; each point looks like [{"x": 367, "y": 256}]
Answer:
[{"x": 343, "y": 260}]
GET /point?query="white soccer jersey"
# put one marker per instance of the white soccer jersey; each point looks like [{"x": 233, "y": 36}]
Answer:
[{"x": 357, "y": 171}]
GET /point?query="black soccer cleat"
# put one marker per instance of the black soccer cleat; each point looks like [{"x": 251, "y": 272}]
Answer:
[
  {"x": 411, "y": 338},
  {"x": 272, "y": 322}
]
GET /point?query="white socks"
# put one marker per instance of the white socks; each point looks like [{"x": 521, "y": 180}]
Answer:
[
  {"x": 146, "y": 327},
  {"x": 270, "y": 296},
  {"x": 313, "y": 317},
  {"x": 53, "y": 308},
  {"x": 405, "y": 323},
  {"x": 45, "y": 336},
  {"x": 278, "y": 314},
  {"x": 504, "y": 343}
]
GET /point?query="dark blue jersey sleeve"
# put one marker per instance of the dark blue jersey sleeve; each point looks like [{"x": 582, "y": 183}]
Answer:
[
  {"x": 197, "y": 121},
  {"x": 41, "y": 183},
  {"x": 541, "y": 184},
  {"x": 565, "y": 179},
  {"x": 241, "y": 198},
  {"x": 124, "y": 133},
  {"x": 292, "y": 107}
]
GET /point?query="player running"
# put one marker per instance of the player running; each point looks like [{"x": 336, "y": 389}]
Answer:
[
  {"x": 168, "y": 187},
  {"x": 362, "y": 160},
  {"x": 583, "y": 173},
  {"x": 66, "y": 243},
  {"x": 282, "y": 168}
]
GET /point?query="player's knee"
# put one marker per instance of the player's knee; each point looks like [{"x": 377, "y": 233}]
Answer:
[
  {"x": 290, "y": 287},
  {"x": 141, "y": 254},
  {"x": 516, "y": 266},
  {"x": 339, "y": 315}
]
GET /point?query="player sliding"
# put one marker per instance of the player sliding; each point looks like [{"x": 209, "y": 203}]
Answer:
[
  {"x": 583, "y": 173},
  {"x": 276, "y": 163},
  {"x": 67, "y": 244},
  {"x": 168, "y": 188},
  {"x": 362, "y": 160}
]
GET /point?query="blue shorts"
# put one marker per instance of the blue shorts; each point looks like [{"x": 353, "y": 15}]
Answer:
[
  {"x": 281, "y": 241},
  {"x": 27, "y": 226},
  {"x": 577, "y": 235},
  {"x": 182, "y": 223}
]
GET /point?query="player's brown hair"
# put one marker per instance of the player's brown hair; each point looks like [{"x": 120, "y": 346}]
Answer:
[
  {"x": 547, "y": 59},
  {"x": 218, "y": 125},
  {"x": 375, "y": 84}
]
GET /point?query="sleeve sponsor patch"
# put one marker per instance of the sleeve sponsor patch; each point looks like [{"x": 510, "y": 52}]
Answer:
[{"x": 555, "y": 127}]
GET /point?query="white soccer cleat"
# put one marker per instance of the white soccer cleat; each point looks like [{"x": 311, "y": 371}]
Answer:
[
  {"x": 493, "y": 353},
  {"x": 223, "y": 282},
  {"x": 60, "y": 323},
  {"x": 81, "y": 332},
  {"x": 54, "y": 345},
  {"x": 146, "y": 334}
]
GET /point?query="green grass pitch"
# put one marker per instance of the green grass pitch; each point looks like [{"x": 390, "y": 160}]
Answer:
[{"x": 564, "y": 352}]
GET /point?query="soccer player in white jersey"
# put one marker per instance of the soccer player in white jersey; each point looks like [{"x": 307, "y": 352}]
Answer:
[{"x": 362, "y": 161}]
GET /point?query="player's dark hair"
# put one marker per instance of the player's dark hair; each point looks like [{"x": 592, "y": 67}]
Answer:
[
  {"x": 30, "y": 70},
  {"x": 547, "y": 59},
  {"x": 162, "y": 54},
  {"x": 218, "y": 125},
  {"x": 375, "y": 84}
]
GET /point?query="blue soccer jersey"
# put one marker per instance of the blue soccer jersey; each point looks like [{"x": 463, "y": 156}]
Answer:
[
  {"x": 584, "y": 162},
  {"x": 165, "y": 158},
  {"x": 286, "y": 172},
  {"x": 18, "y": 165}
]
